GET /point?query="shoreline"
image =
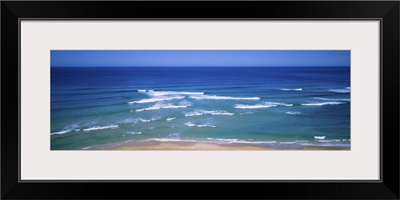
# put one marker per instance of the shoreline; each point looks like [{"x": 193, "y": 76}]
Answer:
[{"x": 195, "y": 146}]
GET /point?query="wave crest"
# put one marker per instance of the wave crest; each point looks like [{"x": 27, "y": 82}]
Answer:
[
  {"x": 97, "y": 128},
  {"x": 263, "y": 105},
  {"x": 322, "y": 103}
]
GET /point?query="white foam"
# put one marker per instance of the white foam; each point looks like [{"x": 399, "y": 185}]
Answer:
[
  {"x": 67, "y": 129},
  {"x": 237, "y": 141},
  {"x": 87, "y": 147},
  {"x": 134, "y": 133},
  {"x": 214, "y": 97},
  {"x": 346, "y": 90},
  {"x": 132, "y": 120},
  {"x": 322, "y": 103},
  {"x": 205, "y": 125},
  {"x": 96, "y": 128},
  {"x": 263, "y": 105},
  {"x": 241, "y": 106},
  {"x": 141, "y": 91},
  {"x": 195, "y": 113},
  {"x": 164, "y": 93},
  {"x": 61, "y": 132},
  {"x": 330, "y": 99},
  {"x": 190, "y": 124},
  {"x": 174, "y": 135},
  {"x": 165, "y": 106},
  {"x": 292, "y": 113},
  {"x": 156, "y": 99},
  {"x": 171, "y": 118},
  {"x": 319, "y": 137},
  {"x": 143, "y": 120},
  {"x": 155, "y": 118},
  {"x": 294, "y": 89},
  {"x": 219, "y": 113},
  {"x": 202, "y": 112}
]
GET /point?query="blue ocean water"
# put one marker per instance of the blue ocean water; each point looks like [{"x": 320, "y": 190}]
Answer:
[{"x": 279, "y": 107}]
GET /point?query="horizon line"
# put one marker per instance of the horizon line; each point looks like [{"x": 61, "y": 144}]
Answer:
[{"x": 183, "y": 66}]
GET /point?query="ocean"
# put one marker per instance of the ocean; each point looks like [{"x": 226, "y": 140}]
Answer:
[{"x": 275, "y": 107}]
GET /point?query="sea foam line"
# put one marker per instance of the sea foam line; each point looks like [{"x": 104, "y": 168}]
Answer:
[
  {"x": 272, "y": 144},
  {"x": 294, "y": 89},
  {"x": 292, "y": 113},
  {"x": 168, "y": 95},
  {"x": 214, "y": 97},
  {"x": 63, "y": 132},
  {"x": 165, "y": 106},
  {"x": 346, "y": 90},
  {"x": 134, "y": 133},
  {"x": 190, "y": 124},
  {"x": 157, "y": 99},
  {"x": 96, "y": 128},
  {"x": 203, "y": 112},
  {"x": 330, "y": 99},
  {"x": 67, "y": 129},
  {"x": 264, "y": 105},
  {"x": 322, "y": 103},
  {"x": 164, "y": 93}
]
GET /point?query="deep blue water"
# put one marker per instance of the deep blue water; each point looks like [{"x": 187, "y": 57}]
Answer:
[{"x": 280, "y": 107}]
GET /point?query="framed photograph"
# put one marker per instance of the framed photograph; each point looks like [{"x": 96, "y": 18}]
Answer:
[{"x": 299, "y": 96}]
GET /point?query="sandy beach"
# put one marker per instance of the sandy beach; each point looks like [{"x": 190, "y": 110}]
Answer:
[{"x": 154, "y": 145}]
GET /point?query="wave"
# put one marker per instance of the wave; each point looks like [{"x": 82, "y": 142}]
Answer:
[
  {"x": 174, "y": 135},
  {"x": 203, "y": 112},
  {"x": 205, "y": 125},
  {"x": 165, "y": 93},
  {"x": 214, "y": 97},
  {"x": 330, "y": 99},
  {"x": 156, "y": 99},
  {"x": 171, "y": 118},
  {"x": 190, "y": 124},
  {"x": 143, "y": 120},
  {"x": 294, "y": 89},
  {"x": 165, "y": 106},
  {"x": 134, "y": 133},
  {"x": 323, "y": 103},
  {"x": 63, "y": 132},
  {"x": 134, "y": 120},
  {"x": 96, "y": 128},
  {"x": 346, "y": 90},
  {"x": 264, "y": 105},
  {"x": 269, "y": 144},
  {"x": 292, "y": 113},
  {"x": 320, "y": 137},
  {"x": 67, "y": 129},
  {"x": 237, "y": 141}
]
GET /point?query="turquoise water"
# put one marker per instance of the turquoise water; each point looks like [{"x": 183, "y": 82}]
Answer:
[{"x": 279, "y": 107}]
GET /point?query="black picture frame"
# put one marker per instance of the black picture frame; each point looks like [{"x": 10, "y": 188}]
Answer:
[{"x": 386, "y": 11}]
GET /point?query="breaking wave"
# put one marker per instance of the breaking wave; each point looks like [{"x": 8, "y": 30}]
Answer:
[
  {"x": 323, "y": 103},
  {"x": 294, "y": 89},
  {"x": 214, "y": 97},
  {"x": 165, "y": 106},
  {"x": 203, "y": 112},
  {"x": 96, "y": 128},
  {"x": 263, "y": 105}
]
